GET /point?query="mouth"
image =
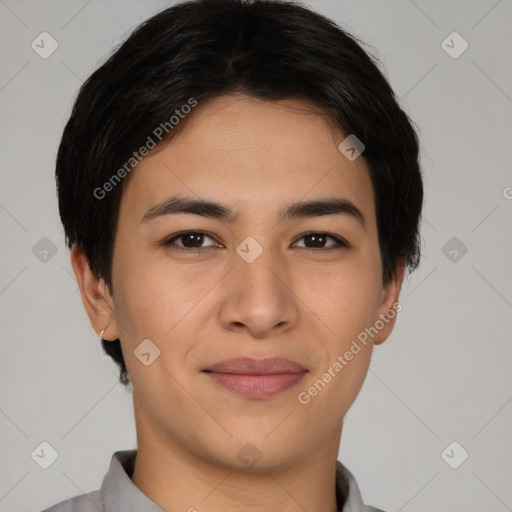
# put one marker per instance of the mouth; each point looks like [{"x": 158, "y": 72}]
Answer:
[{"x": 256, "y": 378}]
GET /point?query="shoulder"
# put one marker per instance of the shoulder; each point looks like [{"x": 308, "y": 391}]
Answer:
[{"x": 90, "y": 502}]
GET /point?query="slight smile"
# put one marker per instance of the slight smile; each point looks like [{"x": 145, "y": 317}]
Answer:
[{"x": 256, "y": 378}]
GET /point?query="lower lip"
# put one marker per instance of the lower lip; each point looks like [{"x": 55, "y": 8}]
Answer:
[{"x": 257, "y": 386}]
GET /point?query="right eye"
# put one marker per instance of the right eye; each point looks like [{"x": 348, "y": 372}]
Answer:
[{"x": 191, "y": 241}]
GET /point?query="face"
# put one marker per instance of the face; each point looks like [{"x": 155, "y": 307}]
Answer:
[{"x": 255, "y": 279}]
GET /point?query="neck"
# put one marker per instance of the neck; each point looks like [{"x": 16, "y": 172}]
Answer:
[{"x": 176, "y": 478}]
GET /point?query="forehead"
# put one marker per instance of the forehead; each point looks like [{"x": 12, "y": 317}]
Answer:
[{"x": 253, "y": 155}]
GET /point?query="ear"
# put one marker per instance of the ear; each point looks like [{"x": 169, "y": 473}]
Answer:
[
  {"x": 96, "y": 296},
  {"x": 389, "y": 305}
]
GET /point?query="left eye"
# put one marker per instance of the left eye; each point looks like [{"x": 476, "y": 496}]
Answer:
[{"x": 318, "y": 241}]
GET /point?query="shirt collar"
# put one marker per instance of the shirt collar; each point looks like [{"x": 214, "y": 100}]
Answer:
[{"x": 120, "y": 493}]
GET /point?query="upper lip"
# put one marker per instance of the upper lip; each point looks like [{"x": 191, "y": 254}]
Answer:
[{"x": 248, "y": 366}]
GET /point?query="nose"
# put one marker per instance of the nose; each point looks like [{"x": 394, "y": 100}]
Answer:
[{"x": 258, "y": 297}]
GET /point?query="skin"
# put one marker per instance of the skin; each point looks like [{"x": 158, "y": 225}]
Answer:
[{"x": 201, "y": 308}]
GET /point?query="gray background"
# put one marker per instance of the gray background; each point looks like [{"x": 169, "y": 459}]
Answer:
[{"x": 445, "y": 373}]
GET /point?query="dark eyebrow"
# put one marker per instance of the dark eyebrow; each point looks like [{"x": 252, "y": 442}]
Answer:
[
  {"x": 320, "y": 207},
  {"x": 176, "y": 204},
  {"x": 214, "y": 210}
]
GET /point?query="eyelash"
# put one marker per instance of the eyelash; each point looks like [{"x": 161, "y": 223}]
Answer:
[{"x": 169, "y": 243}]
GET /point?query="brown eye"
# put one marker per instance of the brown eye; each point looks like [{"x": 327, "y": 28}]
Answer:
[
  {"x": 318, "y": 241},
  {"x": 189, "y": 240}
]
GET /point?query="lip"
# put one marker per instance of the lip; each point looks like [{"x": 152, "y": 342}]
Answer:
[
  {"x": 256, "y": 378},
  {"x": 249, "y": 366}
]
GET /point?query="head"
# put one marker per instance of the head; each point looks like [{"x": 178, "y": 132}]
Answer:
[{"x": 243, "y": 107}]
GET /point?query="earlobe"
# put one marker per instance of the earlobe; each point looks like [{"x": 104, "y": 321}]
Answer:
[
  {"x": 96, "y": 298},
  {"x": 390, "y": 305}
]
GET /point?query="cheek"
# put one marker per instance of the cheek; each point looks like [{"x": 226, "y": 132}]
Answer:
[
  {"x": 153, "y": 295},
  {"x": 346, "y": 299},
  {"x": 157, "y": 303},
  {"x": 349, "y": 305}
]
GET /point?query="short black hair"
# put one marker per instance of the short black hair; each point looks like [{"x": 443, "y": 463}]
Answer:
[{"x": 198, "y": 50}]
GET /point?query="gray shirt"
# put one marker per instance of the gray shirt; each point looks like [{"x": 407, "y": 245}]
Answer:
[{"x": 119, "y": 494}]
